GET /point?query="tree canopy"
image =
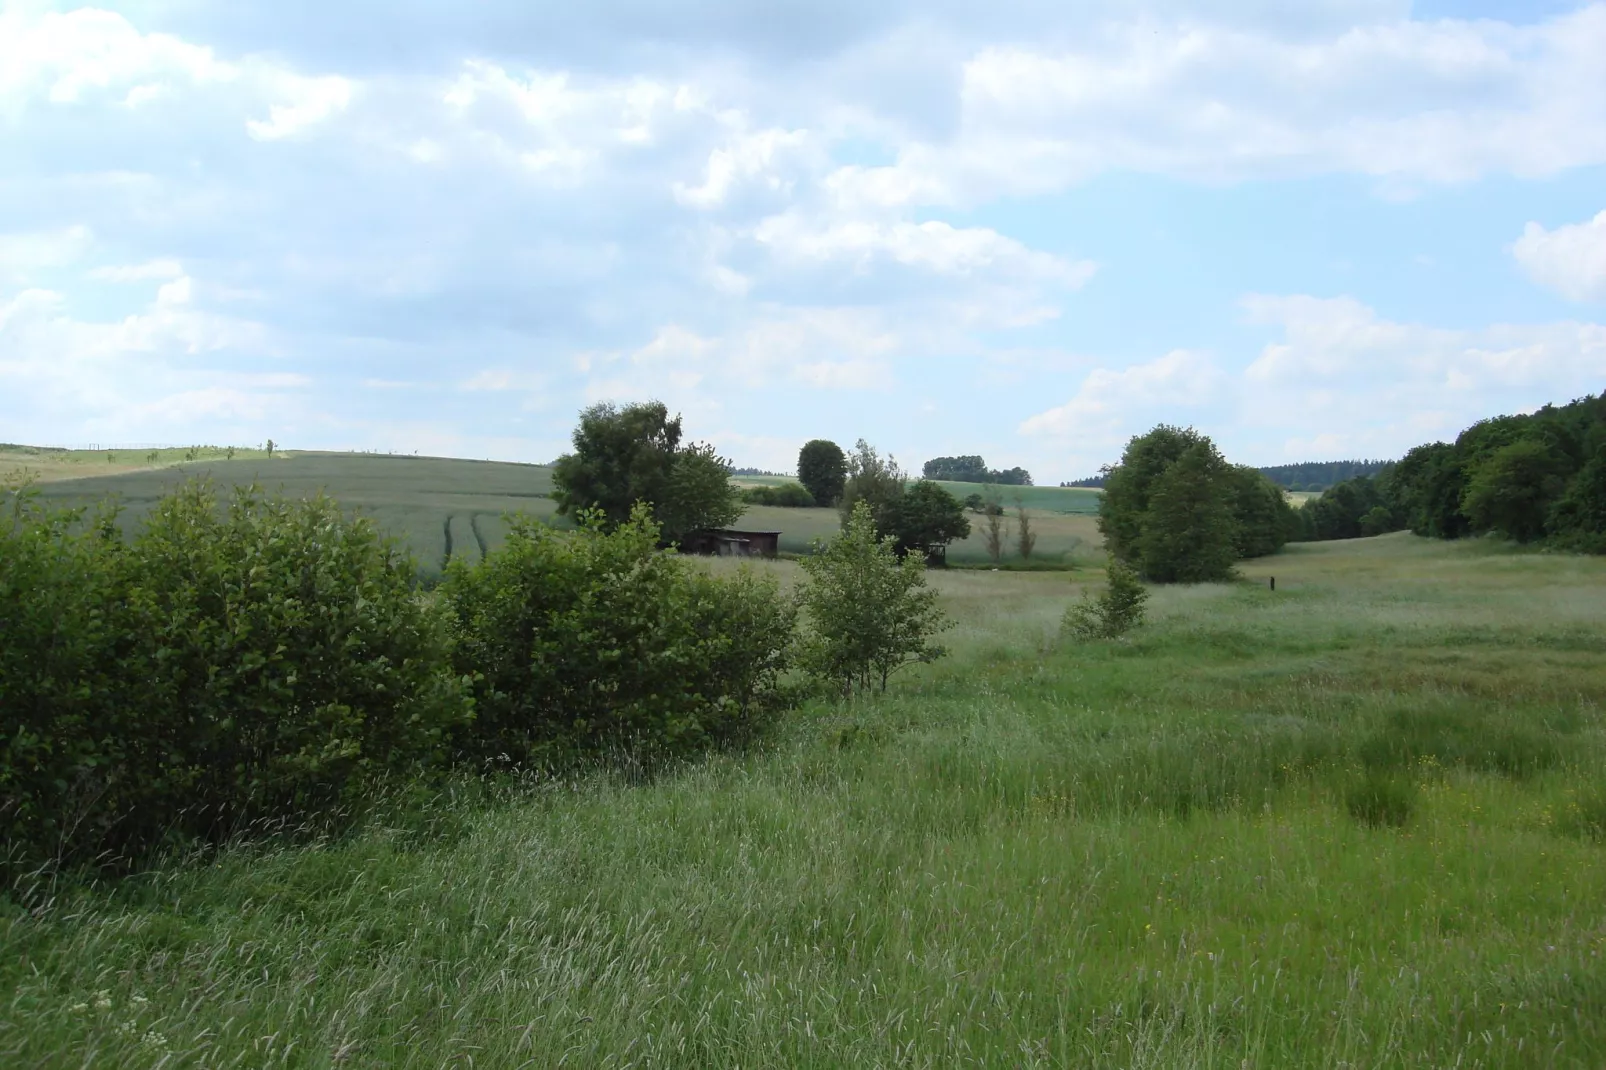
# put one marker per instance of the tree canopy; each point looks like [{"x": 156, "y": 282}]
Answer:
[
  {"x": 822, "y": 468},
  {"x": 1177, "y": 511},
  {"x": 972, "y": 469},
  {"x": 925, "y": 519},
  {"x": 633, "y": 454}
]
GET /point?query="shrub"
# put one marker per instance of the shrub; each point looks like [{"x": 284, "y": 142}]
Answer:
[
  {"x": 282, "y": 656},
  {"x": 59, "y": 583},
  {"x": 597, "y": 642},
  {"x": 263, "y": 661},
  {"x": 1111, "y": 614},
  {"x": 822, "y": 468},
  {"x": 787, "y": 496},
  {"x": 869, "y": 613}
]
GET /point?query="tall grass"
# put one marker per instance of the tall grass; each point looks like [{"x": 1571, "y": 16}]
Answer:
[{"x": 1141, "y": 853}]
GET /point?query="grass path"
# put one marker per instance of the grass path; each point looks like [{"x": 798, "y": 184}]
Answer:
[{"x": 1139, "y": 854}]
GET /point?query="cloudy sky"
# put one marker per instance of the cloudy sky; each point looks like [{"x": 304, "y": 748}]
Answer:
[{"x": 1318, "y": 230}]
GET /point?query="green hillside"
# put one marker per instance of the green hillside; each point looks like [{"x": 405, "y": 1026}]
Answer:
[
  {"x": 418, "y": 499},
  {"x": 442, "y": 507}
]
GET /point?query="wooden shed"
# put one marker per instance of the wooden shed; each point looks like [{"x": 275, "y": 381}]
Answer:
[{"x": 727, "y": 542}]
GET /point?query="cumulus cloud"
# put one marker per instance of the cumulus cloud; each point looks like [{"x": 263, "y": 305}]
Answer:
[
  {"x": 533, "y": 206},
  {"x": 1570, "y": 259},
  {"x": 1384, "y": 386},
  {"x": 1110, "y": 399}
]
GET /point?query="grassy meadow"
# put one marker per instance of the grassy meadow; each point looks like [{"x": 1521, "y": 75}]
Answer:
[{"x": 1355, "y": 822}]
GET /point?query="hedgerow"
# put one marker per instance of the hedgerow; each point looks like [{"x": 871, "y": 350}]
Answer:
[
  {"x": 595, "y": 642},
  {"x": 265, "y": 660}
]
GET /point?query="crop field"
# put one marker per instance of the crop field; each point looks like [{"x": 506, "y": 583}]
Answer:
[
  {"x": 45, "y": 465},
  {"x": 1357, "y": 821},
  {"x": 438, "y": 507},
  {"x": 445, "y": 507}
]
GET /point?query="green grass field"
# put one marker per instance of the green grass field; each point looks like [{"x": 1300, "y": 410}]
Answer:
[
  {"x": 1357, "y": 822},
  {"x": 421, "y": 499}
]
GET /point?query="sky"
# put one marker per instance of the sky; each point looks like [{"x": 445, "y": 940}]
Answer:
[{"x": 1026, "y": 229}]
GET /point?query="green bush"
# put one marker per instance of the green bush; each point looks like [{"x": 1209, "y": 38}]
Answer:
[
  {"x": 869, "y": 613},
  {"x": 596, "y": 641},
  {"x": 59, "y": 585},
  {"x": 787, "y": 495},
  {"x": 1114, "y": 612},
  {"x": 284, "y": 658},
  {"x": 264, "y": 660}
]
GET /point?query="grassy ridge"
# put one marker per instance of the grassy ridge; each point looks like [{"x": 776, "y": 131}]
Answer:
[{"x": 1134, "y": 854}]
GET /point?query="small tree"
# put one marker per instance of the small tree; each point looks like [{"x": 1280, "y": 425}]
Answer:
[
  {"x": 700, "y": 494},
  {"x": 1189, "y": 533},
  {"x": 1114, "y": 612},
  {"x": 823, "y": 469},
  {"x": 876, "y": 481},
  {"x": 992, "y": 531},
  {"x": 869, "y": 614},
  {"x": 925, "y": 520},
  {"x": 270, "y": 448},
  {"x": 1025, "y": 537}
]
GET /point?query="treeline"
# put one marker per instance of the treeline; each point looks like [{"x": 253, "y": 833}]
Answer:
[
  {"x": 1176, "y": 511},
  {"x": 1539, "y": 477},
  {"x": 972, "y": 469},
  {"x": 1319, "y": 475}
]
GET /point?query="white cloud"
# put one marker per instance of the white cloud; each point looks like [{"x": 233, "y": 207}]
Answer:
[
  {"x": 22, "y": 256},
  {"x": 151, "y": 269},
  {"x": 1399, "y": 100},
  {"x": 1346, "y": 380},
  {"x": 88, "y": 56},
  {"x": 933, "y": 245},
  {"x": 307, "y": 102},
  {"x": 1112, "y": 399},
  {"x": 1570, "y": 259}
]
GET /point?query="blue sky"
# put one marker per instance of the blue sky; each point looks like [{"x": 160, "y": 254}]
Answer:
[{"x": 1324, "y": 230}]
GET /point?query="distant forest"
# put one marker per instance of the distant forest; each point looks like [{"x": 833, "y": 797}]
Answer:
[
  {"x": 1319, "y": 475},
  {"x": 972, "y": 469},
  {"x": 1307, "y": 475},
  {"x": 756, "y": 472},
  {"x": 1540, "y": 477}
]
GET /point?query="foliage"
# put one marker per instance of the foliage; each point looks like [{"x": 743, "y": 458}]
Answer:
[
  {"x": 1114, "y": 612},
  {"x": 1263, "y": 518},
  {"x": 597, "y": 641},
  {"x": 1579, "y": 518},
  {"x": 992, "y": 531},
  {"x": 1025, "y": 537},
  {"x": 787, "y": 495},
  {"x": 232, "y": 664},
  {"x": 700, "y": 495},
  {"x": 625, "y": 456},
  {"x": 972, "y": 469},
  {"x": 876, "y": 481},
  {"x": 1512, "y": 490},
  {"x": 868, "y": 612},
  {"x": 1189, "y": 532},
  {"x": 1319, "y": 475},
  {"x": 925, "y": 519},
  {"x": 1124, "y": 506},
  {"x": 1174, "y": 509},
  {"x": 1527, "y": 478},
  {"x": 822, "y": 468}
]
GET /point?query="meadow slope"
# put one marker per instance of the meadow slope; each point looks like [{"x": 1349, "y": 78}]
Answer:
[{"x": 1354, "y": 822}]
